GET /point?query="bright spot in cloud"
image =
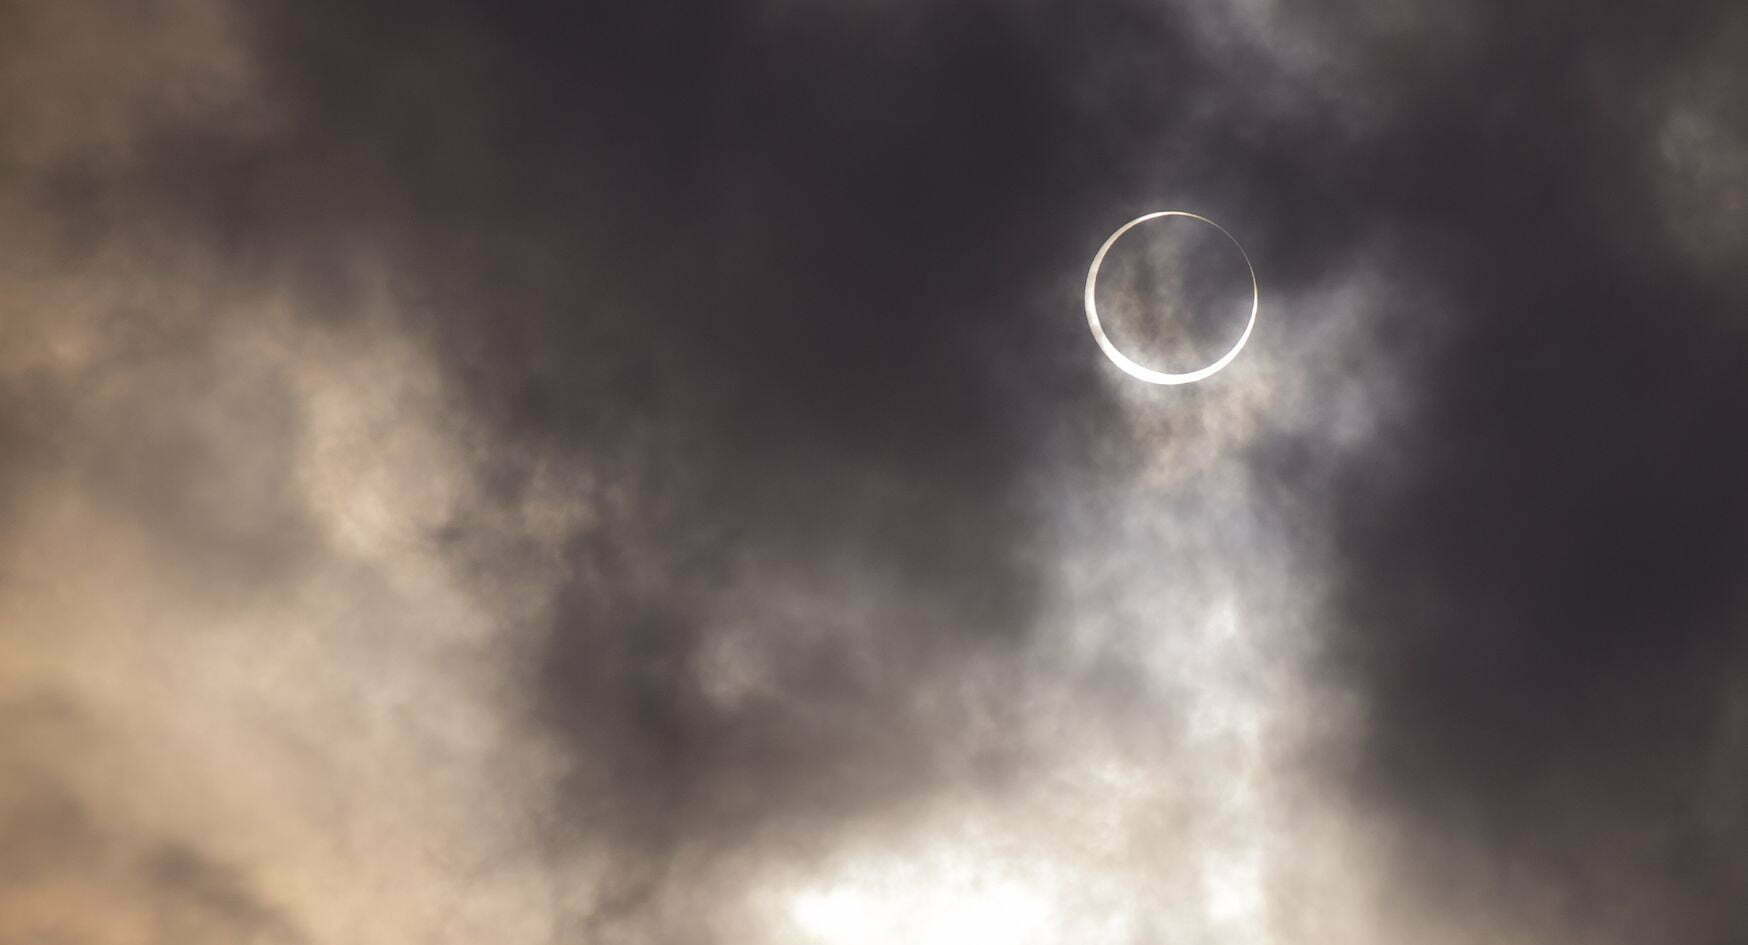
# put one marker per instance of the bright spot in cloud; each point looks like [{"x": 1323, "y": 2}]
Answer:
[{"x": 940, "y": 901}]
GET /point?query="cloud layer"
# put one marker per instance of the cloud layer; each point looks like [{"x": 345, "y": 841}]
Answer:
[{"x": 642, "y": 477}]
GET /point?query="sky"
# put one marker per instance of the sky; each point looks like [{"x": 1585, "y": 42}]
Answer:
[{"x": 640, "y": 474}]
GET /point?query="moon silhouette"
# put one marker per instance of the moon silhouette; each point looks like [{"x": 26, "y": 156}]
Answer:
[{"x": 1141, "y": 371}]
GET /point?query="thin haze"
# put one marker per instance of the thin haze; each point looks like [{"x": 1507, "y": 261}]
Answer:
[{"x": 641, "y": 476}]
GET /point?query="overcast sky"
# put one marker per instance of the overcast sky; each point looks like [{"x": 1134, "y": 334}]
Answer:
[{"x": 639, "y": 474}]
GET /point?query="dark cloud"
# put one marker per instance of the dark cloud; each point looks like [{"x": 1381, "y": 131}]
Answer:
[{"x": 1545, "y": 605}]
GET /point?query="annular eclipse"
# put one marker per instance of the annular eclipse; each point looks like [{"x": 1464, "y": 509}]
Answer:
[{"x": 1129, "y": 365}]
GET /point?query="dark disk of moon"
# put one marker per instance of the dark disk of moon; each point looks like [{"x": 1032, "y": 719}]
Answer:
[{"x": 1134, "y": 368}]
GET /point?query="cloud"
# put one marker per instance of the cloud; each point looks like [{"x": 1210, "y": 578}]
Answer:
[
  {"x": 1700, "y": 156},
  {"x": 486, "y": 475}
]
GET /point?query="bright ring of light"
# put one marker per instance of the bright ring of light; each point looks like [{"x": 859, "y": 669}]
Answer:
[{"x": 1119, "y": 358}]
